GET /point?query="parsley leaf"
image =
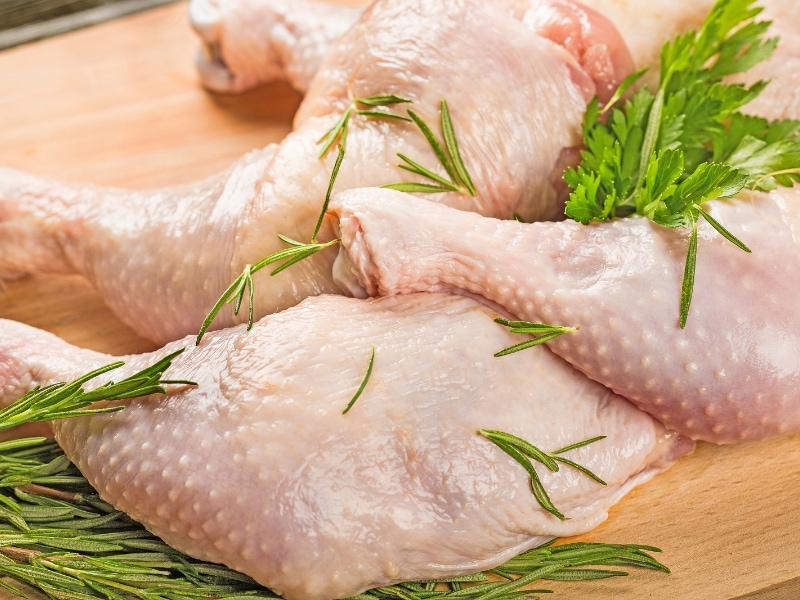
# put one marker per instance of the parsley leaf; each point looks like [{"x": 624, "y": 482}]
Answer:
[{"x": 662, "y": 155}]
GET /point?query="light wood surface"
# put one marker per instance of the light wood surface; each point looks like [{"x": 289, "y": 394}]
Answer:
[{"x": 120, "y": 104}]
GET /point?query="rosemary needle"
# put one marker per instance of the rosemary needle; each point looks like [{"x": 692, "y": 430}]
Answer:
[
  {"x": 337, "y": 134},
  {"x": 363, "y": 383},
  {"x": 543, "y": 333}
]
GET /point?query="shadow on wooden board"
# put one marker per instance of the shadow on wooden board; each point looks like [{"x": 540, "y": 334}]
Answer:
[{"x": 789, "y": 590}]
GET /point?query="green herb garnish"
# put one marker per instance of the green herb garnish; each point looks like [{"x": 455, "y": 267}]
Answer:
[
  {"x": 65, "y": 400},
  {"x": 296, "y": 252},
  {"x": 663, "y": 155},
  {"x": 363, "y": 383},
  {"x": 449, "y": 157},
  {"x": 58, "y": 536},
  {"x": 338, "y": 133},
  {"x": 522, "y": 451},
  {"x": 542, "y": 332}
]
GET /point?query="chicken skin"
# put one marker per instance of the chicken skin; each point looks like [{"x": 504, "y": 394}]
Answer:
[
  {"x": 731, "y": 375},
  {"x": 257, "y": 466},
  {"x": 160, "y": 259}
]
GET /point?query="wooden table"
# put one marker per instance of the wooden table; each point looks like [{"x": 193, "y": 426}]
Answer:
[{"x": 120, "y": 104}]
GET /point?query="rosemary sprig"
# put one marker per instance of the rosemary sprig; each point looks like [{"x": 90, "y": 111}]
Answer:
[
  {"x": 522, "y": 451},
  {"x": 64, "y": 400},
  {"x": 544, "y": 333},
  {"x": 449, "y": 157},
  {"x": 243, "y": 284},
  {"x": 338, "y": 133},
  {"x": 296, "y": 252},
  {"x": 363, "y": 383}
]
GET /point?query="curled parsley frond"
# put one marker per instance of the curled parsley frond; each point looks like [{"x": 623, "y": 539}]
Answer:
[
  {"x": 663, "y": 155},
  {"x": 542, "y": 332},
  {"x": 523, "y": 451}
]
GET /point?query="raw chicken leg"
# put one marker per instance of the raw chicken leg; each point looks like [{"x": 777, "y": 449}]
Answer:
[
  {"x": 731, "y": 375},
  {"x": 644, "y": 26},
  {"x": 251, "y": 42},
  {"x": 161, "y": 259},
  {"x": 258, "y": 468}
]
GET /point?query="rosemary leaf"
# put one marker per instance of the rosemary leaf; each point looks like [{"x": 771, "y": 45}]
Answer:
[
  {"x": 336, "y": 134},
  {"x": 418, "y": 169},
  {"x": 363, "y": 383},
  {"x": 579, "y": 445},
  {"x": 233, "y": 291},
  {"x": 422, "y": 188},
  {"x": 382, "y": 100},
  {"x": 722, "y": 230},
  {"x": 451, "y": 144},
  {"x": 382, "y": 114},
  {"x": 580, "y": 468},
  {"x": 334, "y": 173},
  {"x": 544, "y": 332},
  {"x": 434, "y": 144}
]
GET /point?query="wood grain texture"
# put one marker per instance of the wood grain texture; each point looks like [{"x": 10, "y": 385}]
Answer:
[{"x": 134, "y": 115}]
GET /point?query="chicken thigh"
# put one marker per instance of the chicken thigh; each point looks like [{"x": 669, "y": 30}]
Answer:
[
  {"x": 257, "y": 467},
  {"x": 160, "y": 259},
  {"x": 731, "y": 375},
  {"x": 644, "y": 26}
]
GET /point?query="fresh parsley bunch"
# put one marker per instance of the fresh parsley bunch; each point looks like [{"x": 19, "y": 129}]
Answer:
[{"x": 663, "y": 155}]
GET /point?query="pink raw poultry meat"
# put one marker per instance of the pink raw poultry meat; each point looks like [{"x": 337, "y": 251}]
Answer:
[
  {"x": 258, "y": 468},
  {"x": 251, "y": 42},
  {"x": 160, "y": 259},
  {"x": 731, "y": 375},
  {"x": 254, "y": 41}
]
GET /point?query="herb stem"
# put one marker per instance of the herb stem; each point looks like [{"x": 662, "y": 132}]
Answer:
[{"x": 363, "y": 383}]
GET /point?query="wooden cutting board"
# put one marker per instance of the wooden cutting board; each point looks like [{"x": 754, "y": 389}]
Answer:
[{"x": 120, "y": 104}]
